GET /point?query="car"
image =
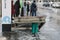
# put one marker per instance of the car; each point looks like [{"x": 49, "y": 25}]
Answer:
[
  {"x": 56, "y": 5},
  {"x": 46, "y": 4}
]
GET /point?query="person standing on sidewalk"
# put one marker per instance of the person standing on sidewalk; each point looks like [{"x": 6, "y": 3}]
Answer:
[
  {"x": 25, "y": 9},
  {"x": 22, "y": 12},
  {"x": 16, "y": 7},
  {"x": 28, "y": 8},
  {"x": 33, "y": 8}
]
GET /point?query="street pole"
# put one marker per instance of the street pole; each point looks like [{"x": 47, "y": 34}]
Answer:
[{"x": 6, "y": 15}]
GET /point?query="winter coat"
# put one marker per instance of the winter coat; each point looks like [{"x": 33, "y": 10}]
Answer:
[{"x": 33, "y": 7}]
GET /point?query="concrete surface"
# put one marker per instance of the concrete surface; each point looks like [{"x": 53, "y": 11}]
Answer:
[{"x": 49, "y": 31}]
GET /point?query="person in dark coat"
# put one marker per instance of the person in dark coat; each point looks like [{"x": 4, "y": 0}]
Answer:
[
  {"x": 27, "y": 8},
  {"x": 22, "y": 12},
  {"x": 16, "y": 7},
  {"x": 33, "y": 8}
]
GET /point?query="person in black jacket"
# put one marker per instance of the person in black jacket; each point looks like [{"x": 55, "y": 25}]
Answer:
[
  {"x": 27, "y": 8},
  {"x": 16, "y": 7},
  {"x": 22, "y": 12},
  {"x": 33, "y": 8}
]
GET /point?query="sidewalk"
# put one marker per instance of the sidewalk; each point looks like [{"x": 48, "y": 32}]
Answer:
[{"x": 50, "y": 31}]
